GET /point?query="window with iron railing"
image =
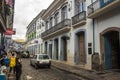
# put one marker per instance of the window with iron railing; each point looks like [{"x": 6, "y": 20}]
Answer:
[
  {"x": 61, "y": 25},
  {"x": 56, "y": 18},
  {"x": 47, "y": 25},
  {"x": 42, "y": 24},
  {"x": 64, "y": 13},
  {"x": 51, "y": 22},
  {"x": 98, "y": 4},
  {"x": 80, "y": 6}
]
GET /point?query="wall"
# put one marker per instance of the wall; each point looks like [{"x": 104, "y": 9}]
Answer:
[{"x": 103, "y": 22}]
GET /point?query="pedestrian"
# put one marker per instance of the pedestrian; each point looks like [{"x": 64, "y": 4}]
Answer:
[
  {"x": 18, "y": 67},
  {"x": 1, "y": 59},
  {"x": 3, "y": 71},
  {"x": 6, "y": 60},
  {"x": 12, "y": 63}
]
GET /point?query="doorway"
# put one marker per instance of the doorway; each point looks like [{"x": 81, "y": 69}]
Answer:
[
  {"x": 56, "y": 49},
  {"x": 64, "y": 43},
  {"x": 112, "y": 50},
  {"x": 80, "y": 56},
  {"x": 50, "y": 50}
]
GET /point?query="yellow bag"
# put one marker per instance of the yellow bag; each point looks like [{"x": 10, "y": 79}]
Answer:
[{"x": 12, "y": 62}]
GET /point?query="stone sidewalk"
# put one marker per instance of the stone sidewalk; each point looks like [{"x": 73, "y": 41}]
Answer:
[
  {"x": 11, "y": 76},
  {"x": 87, "y": 74}
]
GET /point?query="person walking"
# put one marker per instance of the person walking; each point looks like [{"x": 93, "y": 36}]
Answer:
[
  {"x": 3, "y": 71},
  {"x": 12, "y": 63},
  {"x": 6, "y": 60},
  {"x": 18, "y": 67}
]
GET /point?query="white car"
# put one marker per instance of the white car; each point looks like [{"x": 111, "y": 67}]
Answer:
[{"x": 40, "y": 60}]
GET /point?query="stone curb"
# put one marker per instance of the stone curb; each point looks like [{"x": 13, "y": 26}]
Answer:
[
  {"x": 87, "y": 76},
  {"x": 73, "y": 73}
]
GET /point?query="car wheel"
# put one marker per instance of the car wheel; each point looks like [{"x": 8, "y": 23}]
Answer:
[
  {"x": 36, "y": 67},
  {"x": 49, "y": 66},
  {"x": 30, "y": 63}
]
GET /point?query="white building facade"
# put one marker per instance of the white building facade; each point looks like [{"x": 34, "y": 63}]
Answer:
[
  {"x": 34, "y": 30},
  {"x": 66, "y": 36},
  {"x": 85, "y": 33},
  {"x": 40, "y": 28},
  {"x": 31, "y": 36},
  {"x": 106, "y": 16}
]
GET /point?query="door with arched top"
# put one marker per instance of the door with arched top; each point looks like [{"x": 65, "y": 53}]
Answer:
[{"x": 112, "y": 50}]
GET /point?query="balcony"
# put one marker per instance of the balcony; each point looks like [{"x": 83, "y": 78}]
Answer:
[
  {"x": 58, "y": 29},
  {"x": 79, "y": 19},
  {"x": 100, "y": 7}
]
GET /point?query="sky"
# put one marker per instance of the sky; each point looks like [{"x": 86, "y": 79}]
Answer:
[{"x": 25, "y": 11}]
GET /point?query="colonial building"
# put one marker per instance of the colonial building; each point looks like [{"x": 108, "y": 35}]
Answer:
[
  {"x": 106, "y": 28},
  {"x": 31, "y": 36},
  {"x": 66, "y": 36},
  {"x": 34, "y": 30},
  {"x": 84, "y": 33},
  {"x": 40, "y": 27},
  {"x": 57, "y": 30}
]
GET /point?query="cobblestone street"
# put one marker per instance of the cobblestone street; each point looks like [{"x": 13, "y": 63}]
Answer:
[{"x": 45, "y": 73}]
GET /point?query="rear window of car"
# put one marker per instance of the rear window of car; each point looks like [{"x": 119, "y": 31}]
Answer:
[{"x": 43, "y": 57}]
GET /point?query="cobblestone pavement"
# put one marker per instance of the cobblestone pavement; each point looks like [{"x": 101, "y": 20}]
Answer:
[{"x": 45, "y": 73}]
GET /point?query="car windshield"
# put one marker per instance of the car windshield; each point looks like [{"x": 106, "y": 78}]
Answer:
[{"x": 43, "y": 57}]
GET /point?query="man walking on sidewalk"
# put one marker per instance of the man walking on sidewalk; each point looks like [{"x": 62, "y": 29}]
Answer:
[{"x": 18, "y": 67}]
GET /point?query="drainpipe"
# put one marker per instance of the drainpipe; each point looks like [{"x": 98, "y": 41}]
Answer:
[
  {"x": 93, "y": 22},
  {"x": 93, "y": 25}
]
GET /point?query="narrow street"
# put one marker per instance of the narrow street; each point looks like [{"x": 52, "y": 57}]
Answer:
[
  {"x": 45, "y": 73},
  {"x": 74, "y": 39}
]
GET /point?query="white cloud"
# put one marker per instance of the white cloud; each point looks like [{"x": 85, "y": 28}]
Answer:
[{"x": 25, "y": 11}]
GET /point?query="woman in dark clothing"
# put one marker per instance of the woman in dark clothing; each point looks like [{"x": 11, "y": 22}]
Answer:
[{"x": 18, "y": 68}]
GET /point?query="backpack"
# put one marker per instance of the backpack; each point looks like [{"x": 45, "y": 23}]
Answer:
[{"x": 6, "y": 61}]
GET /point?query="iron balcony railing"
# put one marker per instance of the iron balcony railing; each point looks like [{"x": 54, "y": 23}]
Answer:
[
  {"x": 98, "y": 4},
  {"x": 79, "y": 17},
  {"x": 63, "y": 24}
]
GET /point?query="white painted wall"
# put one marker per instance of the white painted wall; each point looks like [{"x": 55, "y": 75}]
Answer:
[
  {"x": 88, "y": 28},
  {"x": 111, "y": 19},
  {"x": 39, "y": 31}
]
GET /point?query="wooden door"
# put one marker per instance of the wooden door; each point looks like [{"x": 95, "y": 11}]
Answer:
[
  {"x": 50, "y": 50},
  {"x": 107, "y": 45},
  {"x": 81, "y": 46},
  {"x": 65, "y": 49},
  {"x": 115, "y": 50},
  {"x": 45, "y": 47},
  {"x": 57, "y": 49}
]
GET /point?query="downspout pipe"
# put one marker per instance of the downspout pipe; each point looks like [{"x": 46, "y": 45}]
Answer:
[
  {"x": 93, "y": 23},
  {"x": 93, "y": 26}
]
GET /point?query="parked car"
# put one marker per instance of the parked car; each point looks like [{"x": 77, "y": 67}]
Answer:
[
  {"x": 40, "y": 60},
  {"x": 25, "y": 54}
]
